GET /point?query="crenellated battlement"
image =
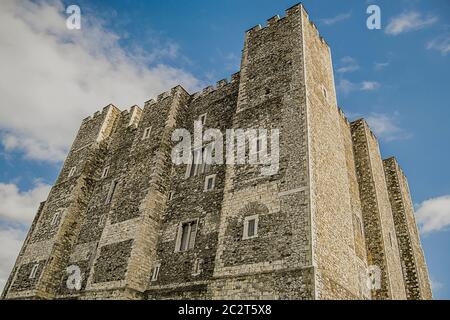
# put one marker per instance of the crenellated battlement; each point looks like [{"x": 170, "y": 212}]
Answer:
[
  {"x": 219, "y": 85},
  {"x": 165, "y": 95},
  {"x": 99, "y": 113},
  {"x": 364, "y": 122},
  {"x": 294, "y": 11}
]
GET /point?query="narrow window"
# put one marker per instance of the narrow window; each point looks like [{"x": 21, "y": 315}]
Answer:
[
  {"x": 197, "y": 269},
  {"x": 210, "y": 182},
  {"x": 202, "y": 118},
  {"x": 112, "y": 189},
  {"x": 34, "y": 271},
  {"x": 105, "y": 172},
  {"x": 390, "y": 239},
  {"x": 195, "y": 167},
  {"x": 147, "y": 132},
  {"x": 325, "y": 92},
  {"x": 171, "y": 195},
  {"x": 156, "y": 269},
  {"x": 186, "y": 236},
  {"x": 72, "y": 171},
  {"x": 192, "y": 234},
  {"x": 207, "y": 158},
  {"x": 55, "y": 218},
  {"x": 251, "y": 227}
]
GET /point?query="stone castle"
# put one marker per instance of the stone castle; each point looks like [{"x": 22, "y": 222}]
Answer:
[{"x": 123, "y": 222}]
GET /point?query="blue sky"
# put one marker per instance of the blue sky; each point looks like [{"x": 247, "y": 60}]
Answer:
[{"x": 397, "y": 77}]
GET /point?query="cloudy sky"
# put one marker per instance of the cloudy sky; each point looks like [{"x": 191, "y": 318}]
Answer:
[{"x": 126, "y": 52}]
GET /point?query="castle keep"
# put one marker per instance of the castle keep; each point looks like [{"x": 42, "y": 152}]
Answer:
[{"x": 123, "y": 222}]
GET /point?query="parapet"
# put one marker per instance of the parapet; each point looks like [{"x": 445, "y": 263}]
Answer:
[
  {"x": 392, "y": 161},
  {"x": 135, "y": 116},
  {"x": 364, "y": 122},
  {"x": 166, "y": 94},
  {"x": 294, "y": 11},
  {"x": 219, "y": 85},
  {"x": 98, "y": 114}
]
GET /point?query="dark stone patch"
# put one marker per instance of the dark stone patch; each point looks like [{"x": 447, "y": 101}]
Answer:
[{"x": 112, "y": 263}]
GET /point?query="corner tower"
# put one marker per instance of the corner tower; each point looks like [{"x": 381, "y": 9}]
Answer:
[
  {"x": 306, "y": 211},
  {"x": 415, "y": 271}
]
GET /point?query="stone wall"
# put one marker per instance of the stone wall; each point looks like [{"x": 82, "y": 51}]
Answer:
[
  {"x": 413, "y": 261},
  {"x": 337, "y": 273},
  {"x": 117, "y": 208},
  {"x": 251, "y": 267},
  {"x": 55, "y": 232},
  {"x": 382, "y": 247}
]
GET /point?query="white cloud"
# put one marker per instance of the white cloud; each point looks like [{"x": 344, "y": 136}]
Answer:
[
  {"x": 11, "y": 240},
  {"x": 346, "y": 87},
  {"x": 436, "y": 285},
  {"x": 17, "y": 206},
  {"x": 385, "y": 126},
  {"x": 369, "y": 85},
  {"x": 441, "y": 44},
  {"x": 409, "y": 21},
  {"x": 336, "y": 19},
  {"x": 52, "y": 77},
  {"x": 434, "y": 214},
  {"x": 348, "y": 64}
]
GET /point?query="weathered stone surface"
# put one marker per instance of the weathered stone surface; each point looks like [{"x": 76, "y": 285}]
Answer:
[
  {"x": 326, "y": 216},
  {"x": 381, "y": 242},
  {"x": 415, "y": 272}
]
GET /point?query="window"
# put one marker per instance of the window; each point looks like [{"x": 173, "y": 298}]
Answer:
[
  {"x": 198, "y": 163},
  {"x": 156, "y": 269},
  {"x": 105, "y": 172},
  {"x": 197, "y": 269},
  {"x": 325, "y": 92},
  {"x": 186, "y": 236},
  {"x": 147, "y": 132},
  {"x": 112, "y": 189},
  {"x": 171, "y": 195},
  {"x": 202, "y": 118},
  {"x": 207, "y": 158},
  {"x": 210, "y": 182},
  {"x": 390, "y": 239},
  {"x": 34, "y": 271},
  {"x": 193, "y": 167},
  {"x": 55, "y": 218},
  {"x": 251, "y": 227},
  {"x": 72, "y": 171}
]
